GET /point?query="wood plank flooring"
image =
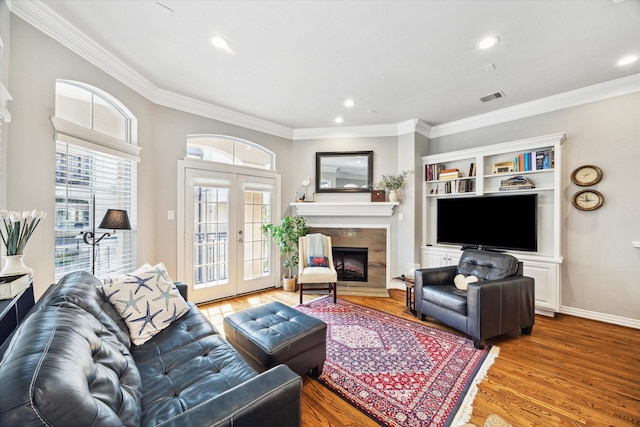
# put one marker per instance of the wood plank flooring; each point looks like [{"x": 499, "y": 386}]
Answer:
[{"x": 569, "y": 372}]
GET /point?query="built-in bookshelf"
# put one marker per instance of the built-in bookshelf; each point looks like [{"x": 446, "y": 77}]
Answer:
[{"x": 530, "y": 165}]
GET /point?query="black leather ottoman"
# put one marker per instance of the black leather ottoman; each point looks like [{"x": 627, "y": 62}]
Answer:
[{"x": 275, "y": 334}]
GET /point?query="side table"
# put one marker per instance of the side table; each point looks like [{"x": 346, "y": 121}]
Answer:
[
  {"x": 410, "y": 283},
  {"x": 13, "y": 310}
]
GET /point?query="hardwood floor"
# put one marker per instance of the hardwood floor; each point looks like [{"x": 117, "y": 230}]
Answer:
[{"x": 569, "y": 372}]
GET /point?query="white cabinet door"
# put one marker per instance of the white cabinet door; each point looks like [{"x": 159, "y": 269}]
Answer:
[{"x": 546, "y": 287}]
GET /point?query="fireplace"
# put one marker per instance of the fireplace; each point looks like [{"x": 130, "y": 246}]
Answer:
[
  {"x": 373, "y": 239},
  {"x": 351, "y": 263}
]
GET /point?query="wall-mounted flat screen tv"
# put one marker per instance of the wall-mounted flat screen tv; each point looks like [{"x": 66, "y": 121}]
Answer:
[{"x": 489, "y": 222}]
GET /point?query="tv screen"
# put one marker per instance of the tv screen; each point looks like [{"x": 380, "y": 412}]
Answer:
[{"x": 493, "y": 222}]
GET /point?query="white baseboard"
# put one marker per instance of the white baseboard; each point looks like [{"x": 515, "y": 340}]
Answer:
[{"x": 602, "y": 317}]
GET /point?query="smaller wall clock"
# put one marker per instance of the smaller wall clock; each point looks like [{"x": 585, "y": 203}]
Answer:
[
  {"x": 587, "y": 200},
  {"x": 586, "y": 175}
]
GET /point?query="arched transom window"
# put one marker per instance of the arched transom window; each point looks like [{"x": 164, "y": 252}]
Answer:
[{"x": 230, "y": 150}]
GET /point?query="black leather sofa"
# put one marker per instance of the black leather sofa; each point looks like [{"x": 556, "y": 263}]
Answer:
[
  {"x": 501, "y": 301},
  {"x": 71, "y": 363}
]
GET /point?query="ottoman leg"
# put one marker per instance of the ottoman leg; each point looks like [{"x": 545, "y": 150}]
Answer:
[{"x": 317, "y": 371}]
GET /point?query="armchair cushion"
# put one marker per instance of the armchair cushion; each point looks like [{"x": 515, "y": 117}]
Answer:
[{"x": 448, "y": 297}]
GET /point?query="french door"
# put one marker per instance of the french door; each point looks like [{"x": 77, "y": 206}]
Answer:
[{"x": 225, "y": 253}]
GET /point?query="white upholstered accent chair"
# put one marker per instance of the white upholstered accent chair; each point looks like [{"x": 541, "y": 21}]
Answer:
[{"x": 313, "y": 249}]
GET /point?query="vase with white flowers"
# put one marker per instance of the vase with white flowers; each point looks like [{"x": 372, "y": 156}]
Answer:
[
  {"x": 394, "y": 183},
  {"x": 15, "y": 231}
]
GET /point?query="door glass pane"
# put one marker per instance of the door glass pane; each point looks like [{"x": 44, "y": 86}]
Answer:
[
  {"x": 256, "y": 248},
  {"x": 211, "y": 240}
]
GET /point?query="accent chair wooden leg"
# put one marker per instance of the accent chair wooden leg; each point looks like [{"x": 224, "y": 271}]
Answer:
[
  {"x": 300, "y": 293},
  {"x": 335, "y": 292}
]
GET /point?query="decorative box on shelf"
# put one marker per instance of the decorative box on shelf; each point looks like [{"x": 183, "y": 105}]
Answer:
[
  {"x": 377, "y": 195},
  {"x": 10, "y": 286}
]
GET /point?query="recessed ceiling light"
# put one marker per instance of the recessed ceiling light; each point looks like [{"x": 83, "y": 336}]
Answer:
[
  {"x": 349, "y": 103},
  {"x": 488, "y": 42},
  {"x": 338, "y": 119},
  {"x": 220, "y": 42},
  {"x": 629, "y": 59}
]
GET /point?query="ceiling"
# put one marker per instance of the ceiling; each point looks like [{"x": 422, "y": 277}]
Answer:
[{"x": 293, "y": 63}]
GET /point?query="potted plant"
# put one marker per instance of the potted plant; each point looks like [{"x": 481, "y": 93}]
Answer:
[
  {"x": 286, "y": 236},
  {"x": 393, "y": 183}
]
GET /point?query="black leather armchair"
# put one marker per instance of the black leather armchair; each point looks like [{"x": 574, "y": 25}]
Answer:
[{"x": 501, "y": 301}]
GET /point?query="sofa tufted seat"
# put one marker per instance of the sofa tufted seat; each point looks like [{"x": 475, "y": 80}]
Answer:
[{"x": 71, "y": 363}]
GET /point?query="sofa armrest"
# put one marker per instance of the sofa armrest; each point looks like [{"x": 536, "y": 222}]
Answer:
[
  {"x": 183, "y": 288},
  {"x": 272, "y": 398},
  {"x": 495, "y": 307}
]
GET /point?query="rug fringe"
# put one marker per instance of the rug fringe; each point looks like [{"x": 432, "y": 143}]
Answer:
[{"x": 466, "y": 408}]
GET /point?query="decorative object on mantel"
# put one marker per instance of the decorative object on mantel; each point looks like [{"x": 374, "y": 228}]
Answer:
[
  {"x": 306, "y": 183},
  {"x": 394, "y": 183},
  {"x": 377, "y": 195},
  {"x": 286, "y": 235},
  {"x": 18, "y": 228}
]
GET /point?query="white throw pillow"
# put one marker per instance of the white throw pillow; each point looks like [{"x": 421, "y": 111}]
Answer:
[
  {"x": 147, "y": 300},
  {"x": 461, "y": 281}
]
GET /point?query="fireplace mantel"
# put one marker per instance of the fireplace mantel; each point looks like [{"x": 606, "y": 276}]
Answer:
[{"x": 345, "y": 208}]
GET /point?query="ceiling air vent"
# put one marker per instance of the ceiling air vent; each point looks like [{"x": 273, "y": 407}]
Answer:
[{"x": 493, "y": 96}]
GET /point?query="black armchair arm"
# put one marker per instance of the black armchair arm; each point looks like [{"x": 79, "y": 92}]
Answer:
[
  {"x": 438, "y": 276},
  {"x": 498, "y": 306}
]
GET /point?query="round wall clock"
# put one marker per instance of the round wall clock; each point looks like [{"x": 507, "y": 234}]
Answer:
[
  {"x": 586, "y": 175},
  {"x": 587, "y": 200}
]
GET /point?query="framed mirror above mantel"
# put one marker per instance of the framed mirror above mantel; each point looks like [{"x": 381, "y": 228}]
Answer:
[{"x": 344, "y": 172}]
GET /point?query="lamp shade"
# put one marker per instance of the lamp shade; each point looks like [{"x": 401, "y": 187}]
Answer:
[{"x": 115, "y": 219}]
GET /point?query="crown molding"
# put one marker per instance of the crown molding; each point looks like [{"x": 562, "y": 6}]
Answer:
[
  {"x": 55, "y": 26},
  {"x": 373, "y": 131},
  {"x": 211, "y": 111},
  {"x": 598, "y": 92}
]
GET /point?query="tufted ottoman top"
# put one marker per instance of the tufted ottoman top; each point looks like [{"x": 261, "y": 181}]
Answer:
[{"x": 274, "y": 333}]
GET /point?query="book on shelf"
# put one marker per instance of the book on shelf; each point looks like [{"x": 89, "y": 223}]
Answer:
[
  {"x": 449, "y": 176},
  {"x": 534, "y": 160},
  {"x": 432, "y": 171},
  {"x": 472, "y": 169},
  {"x": 516, "y": 183},
  {"x": 10, "y": 286}
]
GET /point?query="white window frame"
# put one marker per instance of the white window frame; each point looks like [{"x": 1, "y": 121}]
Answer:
[{"x": 101, "y": 144}]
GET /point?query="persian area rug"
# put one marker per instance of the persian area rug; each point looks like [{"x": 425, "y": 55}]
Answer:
[{"x": 399, "y": 372}]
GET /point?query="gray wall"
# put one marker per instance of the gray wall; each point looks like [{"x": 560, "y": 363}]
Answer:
[
  {"x": 36, "y": 62},
  {"x": 600, "y": 269}
]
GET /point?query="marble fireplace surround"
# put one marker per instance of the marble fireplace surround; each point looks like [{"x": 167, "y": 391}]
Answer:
[{"x": 375, "y": 237}]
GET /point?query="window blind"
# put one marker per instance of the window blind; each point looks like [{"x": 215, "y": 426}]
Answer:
[{"x": 88, "y": 182}]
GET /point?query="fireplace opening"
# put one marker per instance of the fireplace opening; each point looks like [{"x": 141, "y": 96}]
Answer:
[{"x": 350, "y": 263}]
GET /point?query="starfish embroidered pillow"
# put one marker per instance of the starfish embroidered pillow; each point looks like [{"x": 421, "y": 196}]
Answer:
[{"x": 147, "y": 300}]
